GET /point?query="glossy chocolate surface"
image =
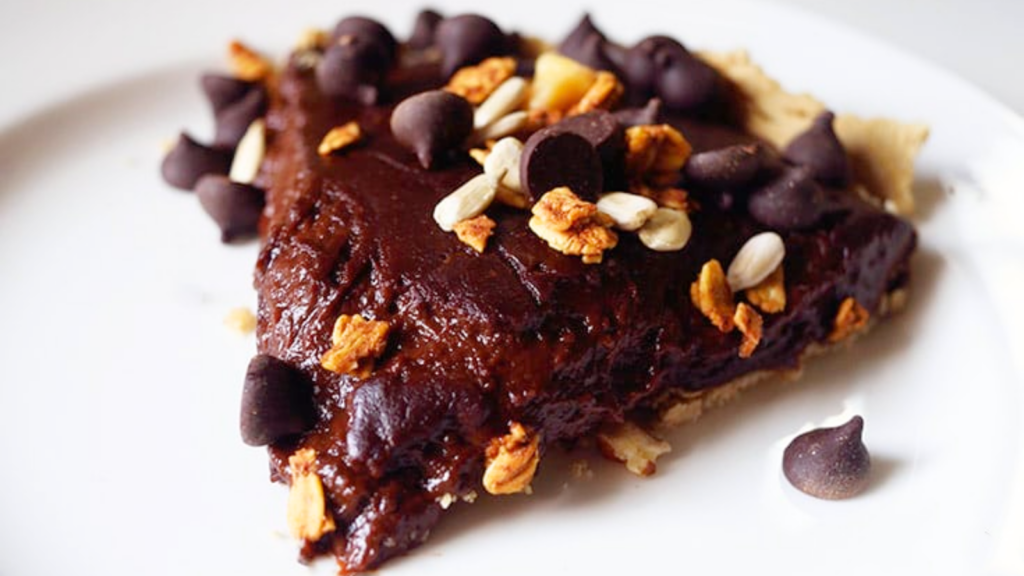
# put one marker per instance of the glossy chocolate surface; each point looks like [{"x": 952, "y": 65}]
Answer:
[{"x": 519, "y": 333}]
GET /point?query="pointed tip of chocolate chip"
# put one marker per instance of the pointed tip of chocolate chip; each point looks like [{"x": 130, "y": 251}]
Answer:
[
  {"x": 189, "y": 161},
  {"x": 650, "y": 113},
  {"x": 584, "y": 29},
  {"x": 467, "y": 39},
  {"x": 222, "y": 91},
  {"x": 431, "y": 124},
  {"x": 424, "y": 30},
  {"x": 829, "y": 463},
  {"x": 793, "y": 200},
  {"x": 820, "y": 150},
  {"x": 276, "y": 402},
  {"x": 234, "y": 119},
  {"x": 369, "y": 30},
  {"x": 234, "y": 207}
]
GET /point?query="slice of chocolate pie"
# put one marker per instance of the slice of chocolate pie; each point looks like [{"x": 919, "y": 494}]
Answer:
[{"x": 476, "y": 249}]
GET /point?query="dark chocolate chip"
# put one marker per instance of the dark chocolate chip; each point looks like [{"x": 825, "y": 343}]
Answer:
[
  {"x": 682, "y": 81},
  {"x": 640, "y": 67},
  {"x": 432, "y": 123},
  {"x": 728, "y": 167},
  {"x": 606, "y": 135},
  {"x": 353, "y": 67},
  {"x": 587, "y": 45},
  {"x": 223, "y": 91},
  {"x": 650, "y": 113},
  {"x": 277, "y": 402},
  {"x": 553, "y": 158},
  {"x": 466, "y": 40},
  {"x": 791, "y": 201},
  {"x": 233, "y": 206},
  {"x": 819, "y": 149},
  {"x": 575, "y": 39},
  {"x": 234, "y": 120},
  {"x": 829, "y": 463},
  {"x": 423, "y": 30},
  {"x": 189, "y": 160},
  {"x": 368, "y": 30}
]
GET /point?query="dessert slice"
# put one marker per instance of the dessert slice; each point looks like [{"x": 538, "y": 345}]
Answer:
[{"x": 476, "y": 250}]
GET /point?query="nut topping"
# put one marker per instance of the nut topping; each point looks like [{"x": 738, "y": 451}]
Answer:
[
  {"x": 308, "y": 518},
  {"x": 712, "y": 296},
  {"x": 474, "y": 232},
  {"x": 633, "y": 446},
  {"x": 850, "y": 319},
  {"x": 655, "y": 153},
  {"x": 339, "y": 137},
  {"x": 749, "y": 323},
  {"x": 476, "y": 83},
  {"x": 628, "y": 211},
  {"x": 603, "y": 94},
  {"x": 759, "y": 256},
  {"x": 559, "y": 82},
  {"x": 770, "y": 294},
  {"x": 357, "y": 344},
  {"x": 667, "y": 230},
  {"x": 512, "y": 461},
  {"x": 247, "y": 64},
  {"x": 249, "y": 154},
  {"x": 467, "y": 201},
  {"x": 505, "y": 99},
  {"x": 572, "y": 226}
]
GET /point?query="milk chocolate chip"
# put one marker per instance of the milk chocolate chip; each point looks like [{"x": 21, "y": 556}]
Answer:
[
  {"x": 792, "y": 201},
  {"x": 370, "y": 31},
  {"x": 819, "y": 149},
  {"x": 553, "y": 158},
  {"x": 424, "y": 30},
  {"x": 276, "y": 402},
  {"x": 234, "y": 119},
  {"x": 353, "y": 67},
  {"x": 233, "y": 206},
  {"x": 829, "y": 463},
  {"x": 432, "y": 123},
  {"x": 728, "y": 167},
  {"x": 189, "y": 160},
  {"x": 468, "y": 39}
]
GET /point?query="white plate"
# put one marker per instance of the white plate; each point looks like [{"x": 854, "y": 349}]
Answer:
[{"x": 120, "y": 385}]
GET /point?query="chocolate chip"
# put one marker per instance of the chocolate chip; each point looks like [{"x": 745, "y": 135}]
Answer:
[
  {"x": 575, "y": 39},
  {"x": 819, "y": 149},
  {"x": 684, "y": 82},
  {"x": 640, "y": 67},
  {"x": 189, "y": 160},
  {"x": 724, "y": 168},
  {"x": 368, "y": 30},
  {"x": 466, "y": 40},
  {"x": 553, "y": 158},
  {"x": 792, "y": 201},
  {"x": 649, "y": 114},
  {"x": 432, "y": 123},
  {"x": 606, "y": 135},
  {"x": 234, "y": 119},
  {"x": 233, "y": 206},
  {"x": 277, "y": 402},
  {"x": 353, "y": 67},
  {"x": 423, "y": 30},
  {"x": 829, "y": 463},
  {"x": 223, "y": 91},
  {"x": 586, "y": 45}
]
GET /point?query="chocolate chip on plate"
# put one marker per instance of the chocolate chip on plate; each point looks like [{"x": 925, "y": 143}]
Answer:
[
  {"x": 189, "y": 160},
  {"x": 792, "y": 201},
  {"x": 728, "y": 167},
  {"x": 234, "y": 119},
  {"x": 553, "y": 158},
  {"x": 369, "y": 30},
  {"x": 233, "y": 206},
  {"x": 432, "y": 123},
  {"x": 468, "y": 39},
  {"x": 222, "y": 91},
  {"x": 819, "y": 149},
  {"x": 829, "y": 463},
  {"x": 353, "y": 67},
  {"x": 423, "y": 30},
  {"x": 277, "y": 402}
]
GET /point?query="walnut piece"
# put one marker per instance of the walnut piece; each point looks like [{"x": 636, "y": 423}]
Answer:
[
  {"x": 357, "y": 343},
  {"x": 713, "y": 297},
  {"x": 603, "y": 94},
  {"x": 749, "y": 323},
  {"x": 633, "y": 446},
  {"x": 512, "y": 461},
  {"x": 572, "y": 226},
  {"x": 307, "y": 514},
  {"x": 850, "y": 319},
  {"x": 475, "y": 83},
  {"x": 247, "y": 64},
  {"x": 339, "y": 137},
  {"x": 655, "y": 153},
  {"x": 474, "y": 232},
  {"x": 770, "y": 294}
]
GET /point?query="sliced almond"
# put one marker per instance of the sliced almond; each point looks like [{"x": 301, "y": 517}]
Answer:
[
  {"x": 629, "y": 211},
  {"x": 504, "y": 126},
  {"x": 667, "y": 230},
  {"x": 502, "y": 164},
  {"x": 758, "y": 257},
  {"x": 467, "y": 201},
  {"x": 249, "y": 154},
  {"x": 505, "y": 98}
]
